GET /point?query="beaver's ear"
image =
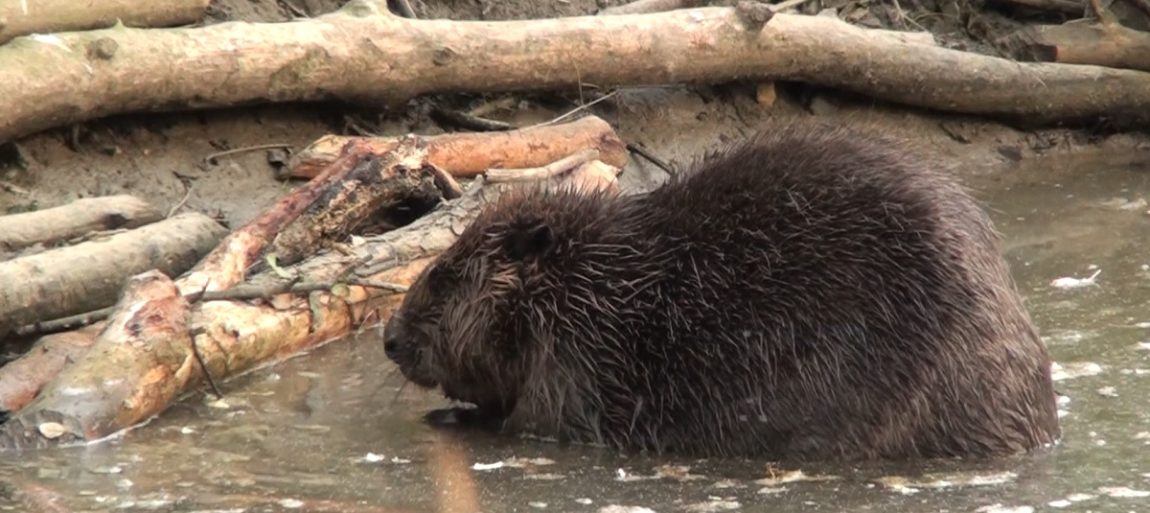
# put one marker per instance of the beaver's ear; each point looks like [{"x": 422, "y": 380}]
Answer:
[{"x": 528, "y": 241}]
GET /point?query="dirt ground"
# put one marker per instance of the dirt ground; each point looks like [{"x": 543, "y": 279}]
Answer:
[{"x": 162, "y": 157}]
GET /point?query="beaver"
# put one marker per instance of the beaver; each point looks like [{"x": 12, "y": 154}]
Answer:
[{"x": 813, "y": 292}]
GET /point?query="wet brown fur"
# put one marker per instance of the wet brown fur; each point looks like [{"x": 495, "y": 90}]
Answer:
[{"x": 814, "y": 292}]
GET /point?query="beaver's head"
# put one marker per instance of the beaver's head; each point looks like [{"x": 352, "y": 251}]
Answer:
[{"x": 469, "y": 323}]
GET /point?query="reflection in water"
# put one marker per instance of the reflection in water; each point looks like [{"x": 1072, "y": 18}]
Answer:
[{"x": 328, "y": 432}]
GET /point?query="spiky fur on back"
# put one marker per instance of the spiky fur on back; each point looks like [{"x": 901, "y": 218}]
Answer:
[{"x": 812, "y": 292}]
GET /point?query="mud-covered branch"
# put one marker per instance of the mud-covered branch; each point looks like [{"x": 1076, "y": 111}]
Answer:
[
  {"x": 19, "y": 18},
  {"x": 364, "y": 54}
]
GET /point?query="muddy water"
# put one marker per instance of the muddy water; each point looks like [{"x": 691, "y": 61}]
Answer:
[{"x": 336, "y": 431}]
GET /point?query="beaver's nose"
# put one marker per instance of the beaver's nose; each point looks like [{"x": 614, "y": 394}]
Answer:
[{"x": 392, "y": 336}]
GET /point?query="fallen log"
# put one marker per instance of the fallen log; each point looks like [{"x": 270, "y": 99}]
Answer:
[
  {"x": 77, "y": 218},
  {"x": 1101, "y": 44},
  {"x": 87, "y": 276},
  {"x": 20, "y": 18},
  {"x": 466, "y": 155},
  {"x": 364, "y": 54},
  {"x": 160, "y": 343}
]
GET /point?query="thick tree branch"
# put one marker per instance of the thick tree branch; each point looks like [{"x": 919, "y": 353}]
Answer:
[
  {"x": 19, "y": 18},
  {"x": 364, "y": 54},
  {"x": 77, "y": 218}
]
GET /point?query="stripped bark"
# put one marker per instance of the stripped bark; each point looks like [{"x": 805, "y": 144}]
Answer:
[
  {"x": 363, "y": 54},
  {"x": 376, "y": 184},
  {"x": 88, "y": 276},
  {"x": 465, "y": 155},
  {"x": 229, "y": 262},
  {"x": 19, "y": 18},
  {"x": 77, "y": 218}
]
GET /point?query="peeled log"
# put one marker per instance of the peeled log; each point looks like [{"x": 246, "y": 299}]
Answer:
[
  {"x": 88, "y": 276},
  {"x": 77, "y": 218},
  {"x": 465, "y": 155},
  {"x": 1101, "y": 44},
  {"x": 23, "y": 17},
  {"x": 363, "y": 54}
]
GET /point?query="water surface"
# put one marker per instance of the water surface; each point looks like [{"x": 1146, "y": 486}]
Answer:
[{"x": 337, "y": 431}]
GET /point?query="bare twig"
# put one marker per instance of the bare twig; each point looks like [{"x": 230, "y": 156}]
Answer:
[
  {"x": 507, "y": 102},
  {"x": 574, "y": 111},
  {"x": 469, "y": 121},
  {"x": 541, "y": 173},
  {"x": 405, "y": 9},
  {"x": 13, "y": 188},
  {"x": 64, "y": 323},
  {"x": 446, "y": 183},
  {"x": 788, "y": 4},
  {"x": 183, "y": 201},
  {"x": 645, "y": 153},
  {"x": 242, "y": 292},
  {"x": 212, "y": 158}
]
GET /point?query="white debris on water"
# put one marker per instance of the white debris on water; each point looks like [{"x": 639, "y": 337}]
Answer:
[
  {"x": 1108, "y": 392},
  {"x": 400, "y": 461},
  {"x": 538, "y": 505},
  {"x": 291, "y": 503},
  {"x": 516, "y": 462},
  {"x": 792, "y": 476},
  {"x": 999, "y": 508},
  {"x": 372, "y": 457},
  {"x": 772, "y": 490},
  {"x": 909, "y": 486},
  {"x": 583, "y": 500},
  {"x": 544, "y": 477},
  {"x": 1123, "y": 492},
  {"x": 513, "y": 462},
  {"x": 714, "y": 505},
  {"x": 488, "y": 466},
  {"x": 726, "y": 483},
  {"x": 1071, "y": 499},
  {"x": 673, "y": 472},
  {"x": 1071, "y": 370},
  {"x": 1068, "y": 282},
  {"x": 614, "y": 508}
]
